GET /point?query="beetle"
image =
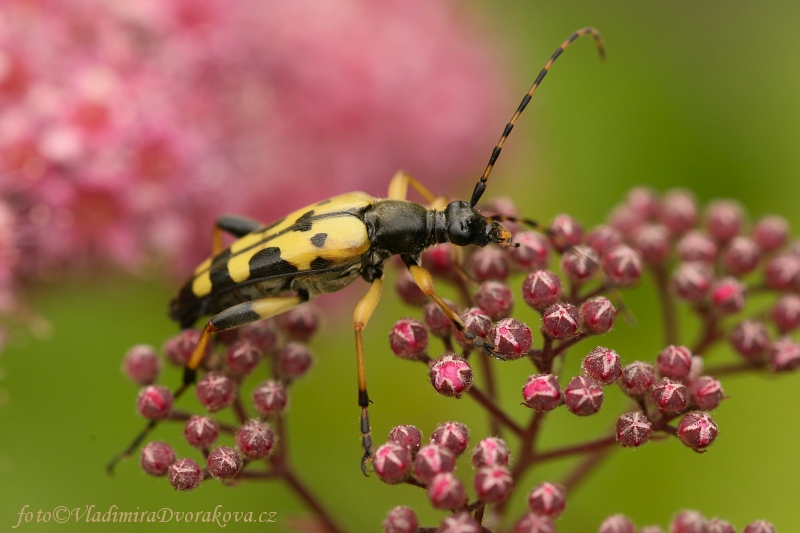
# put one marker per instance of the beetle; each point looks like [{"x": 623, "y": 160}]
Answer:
[{"x": 326, "y": 246}]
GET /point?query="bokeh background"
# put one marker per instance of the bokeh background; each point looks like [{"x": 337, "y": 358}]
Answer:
[{"x": 265, "y": 107}]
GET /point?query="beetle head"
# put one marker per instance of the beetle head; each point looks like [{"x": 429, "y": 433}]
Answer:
[{"x": 466, "y": 226}]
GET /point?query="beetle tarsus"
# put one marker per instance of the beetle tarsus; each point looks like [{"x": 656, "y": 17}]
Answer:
[
  {"x": 366, "y": 440},
  {"x": 482, "y": 344}
]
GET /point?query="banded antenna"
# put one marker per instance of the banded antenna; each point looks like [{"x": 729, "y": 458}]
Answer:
[{"x": 480, "y": 187}]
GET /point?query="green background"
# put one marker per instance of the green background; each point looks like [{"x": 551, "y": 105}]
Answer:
[{"x": 702, "y": 95}]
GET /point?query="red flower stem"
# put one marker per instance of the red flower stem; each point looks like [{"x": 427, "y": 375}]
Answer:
[
  {"x": 491, "y": 391},
  {"x": 260, "y": 475},
  {"x": 414, "y": 482},
  {"x": 532, "y": 432},
  {"x": 280, "y": 432},
  {"x": 602, "y": 289},
  {"x": 735, "y": 368},
  {"x": 547, "y": 346},
  {"x": 562, "y": 346},
  {"x": 642, "y": 405},
  {"x": 477, "y": 508},
  {"x": 494, "y": 410},
  {"x": 178, "y": 416},
  {"x": 311, "y": 502},
  {"x": 709, "y": 331},
  {"x": 448, "y": 344},
  {"x": 668, "y": 313},
  {"x": 543, "y": 359},
  {"x": 238, "y": 408},
  {"x": 281, "y": 468},
  {"x": 526, "y": 457},
  {"x": 577, "y": 449},
  {"x": 599, "y": 450},
  {"x": 425, "y": 359},
  {"x": 573, "y": 291}
]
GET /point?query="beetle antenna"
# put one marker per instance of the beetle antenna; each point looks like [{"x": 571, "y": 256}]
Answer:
[
  {"x": 480, "y": 187},
  {"x": 546, "y": 231},
  {"x": 519, "y": 220}
]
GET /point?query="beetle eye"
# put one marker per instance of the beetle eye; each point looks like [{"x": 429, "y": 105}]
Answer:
[{"x": 460, "y": 233}]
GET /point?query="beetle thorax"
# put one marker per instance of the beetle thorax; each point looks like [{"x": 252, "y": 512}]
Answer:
[{"x": 400, "y": 227}]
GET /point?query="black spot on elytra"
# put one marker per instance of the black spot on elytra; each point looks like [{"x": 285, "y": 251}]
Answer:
[
  {"x": 268, "y": 263},
  {"x": 304, "y": 222},
  {"x": 320, "y": 263},
  {"x": 323, "y": 202},
  {"x": 318, "y": 240}
]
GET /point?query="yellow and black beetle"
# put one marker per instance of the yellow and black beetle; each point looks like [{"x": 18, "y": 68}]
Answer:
[{"x": 324, "y": 247}]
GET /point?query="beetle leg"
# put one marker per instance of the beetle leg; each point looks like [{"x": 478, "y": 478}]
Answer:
[
  {"x": 366, "y": 306},
  {"x": 457, "y": 258},
  {"x": 233, "y": 224},
  {"x": 424, "y": 281},
  {"x": 233, "y": 317},
  {"x": 527, "y": 221},
  {"x": 398, "y": 190}
]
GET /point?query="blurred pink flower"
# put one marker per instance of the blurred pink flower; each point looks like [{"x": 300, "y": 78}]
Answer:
[{"x": 127, "y": 127}]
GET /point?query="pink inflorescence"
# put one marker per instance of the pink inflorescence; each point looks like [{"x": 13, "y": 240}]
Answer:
[
  {"x": 669, "y": 393},
  {"x": 706, "y": 260}
]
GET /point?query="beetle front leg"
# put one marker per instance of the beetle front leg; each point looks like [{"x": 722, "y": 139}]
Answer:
[
  {"x": 424, "y": 281},
  {"x": 364, "y": 309},
  {"x": 233, "y": 317}
]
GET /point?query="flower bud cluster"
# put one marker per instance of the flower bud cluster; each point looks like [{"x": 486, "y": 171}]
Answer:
[
  {"x": 231, "y": 358},
  {"x": 572, "y": 281},
  {"x": 706, "y": 259},
  {"x": 403, "y": 458},
  {"x": 688, "y": 521}
]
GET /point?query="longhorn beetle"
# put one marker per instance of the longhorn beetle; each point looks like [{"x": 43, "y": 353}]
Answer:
[{"x": 324, "y": 247}]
